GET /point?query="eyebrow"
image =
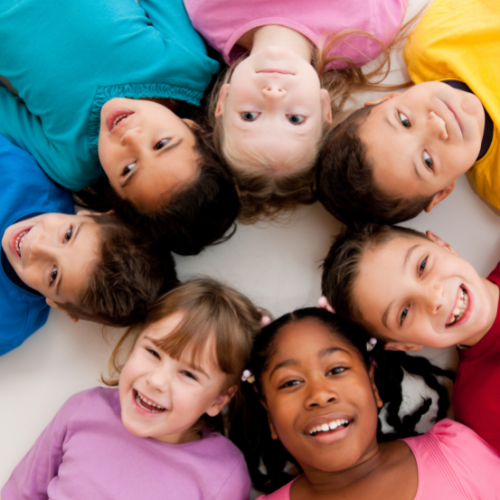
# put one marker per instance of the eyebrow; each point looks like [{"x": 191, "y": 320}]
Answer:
[{"x": 77, "y": 230}]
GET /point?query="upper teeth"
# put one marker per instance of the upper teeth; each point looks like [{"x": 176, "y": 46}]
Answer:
[
  {"x": 19, "y": 242},
  {"x": 329, "y": 427},
  {"x": 461, "y": 306},
  {"x": 148, "y": 401},
  {"x": 118, "y": 118}
]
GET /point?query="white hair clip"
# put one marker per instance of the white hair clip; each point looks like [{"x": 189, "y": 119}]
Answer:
[
  {"x": 371, "y": 344},
  {"x": 265, "y": 320},
  {"x": 324, "y": 304},
  {"x": 247, "y": 376}
]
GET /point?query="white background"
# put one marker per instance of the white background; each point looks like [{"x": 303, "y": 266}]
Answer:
[{"x": 277, "y": 266}]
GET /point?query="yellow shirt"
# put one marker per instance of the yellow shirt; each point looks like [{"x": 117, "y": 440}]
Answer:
[{"x": 460, "y": 40}]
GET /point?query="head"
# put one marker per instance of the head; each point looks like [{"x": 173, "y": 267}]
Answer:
[
  {"x": 90, "y": 266},
  {"x": 408, "y": 288},
  {"x": 401, "y": 154},
  {"x": 270, "y": 118},
  {"x": 186, "y": 361},
  {"x": 312, "y": 370},
  {"x": 197, "y": 213}
]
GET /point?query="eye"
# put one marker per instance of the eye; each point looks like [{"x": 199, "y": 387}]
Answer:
[
  {"x": 404, "y": 313},
  {"x": 128, "y": 169},
  {"x": 153, "y": 352},
  {"x": 337, "y": 370},
  {"x": 53, "y": 276},
  {"x": 296, "y": 119},
  {"x": 289, "y": 383},
  {"x": 68, "y": 234},
  {"x": 404, "y": 120},
  {"x": 427, "y": 160},
  {"x": 421, "y": 268},
  {"x": 161, "y": 144},
  {"x": 249, "y": 116},
  {"x": 189, "y": 374}
]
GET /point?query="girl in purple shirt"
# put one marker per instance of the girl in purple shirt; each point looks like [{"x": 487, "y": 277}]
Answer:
[{"x": 155, "y": 436}]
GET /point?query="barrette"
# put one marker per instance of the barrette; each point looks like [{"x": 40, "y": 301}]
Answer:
[
  {"x": 371, "y": 344},
  {"x": 324, "y": 304},
  {"x": 247, "y": 376}
]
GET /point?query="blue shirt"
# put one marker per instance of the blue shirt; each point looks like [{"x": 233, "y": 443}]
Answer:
[
  {"x": 24, "y": 190},
  {"x": 67, "y": 58}
]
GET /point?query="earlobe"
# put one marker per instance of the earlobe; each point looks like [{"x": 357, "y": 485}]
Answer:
[
  {"x": 378, "y": 400},
  {"x": 436, "y": 239},
  {"x": 223, "y": 93},
  {"x": 384, "y": 98},
  {"x": 402, "y": 346},
  {"x": 326, "y": 105},
  {"x": 51, "y": 303},
  {"x": 222, "y": 399},
  {"x": 274, "y": 435},
  {"x": 440, "y": 196}
]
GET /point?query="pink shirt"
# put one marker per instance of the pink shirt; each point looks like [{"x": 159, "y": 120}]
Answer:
[
  {"x": 453, "y": 463},
  {"x": 223, "y": 22}
]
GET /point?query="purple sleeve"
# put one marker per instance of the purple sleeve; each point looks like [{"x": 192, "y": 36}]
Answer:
[
  {"x": 237, "y": 485},
  {"x": 31, "y": 477}
]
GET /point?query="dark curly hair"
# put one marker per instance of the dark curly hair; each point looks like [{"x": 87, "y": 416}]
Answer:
[
  {"x": 197, "y": 215},
  {"x": 345, "y": 184}
]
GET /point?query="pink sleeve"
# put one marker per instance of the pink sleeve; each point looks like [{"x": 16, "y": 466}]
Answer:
[
  {"x": 40, "y": 465},
  {"x": 237, "y": 486}
]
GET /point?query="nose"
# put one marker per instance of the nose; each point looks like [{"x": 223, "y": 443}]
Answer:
[
  {"x": 320, "y": 393},
  {"x": 437, "y": 126},
  {"x": 159, "y": 378},
  {"x": 39, "y": 247},
  {"x": 131, "y": 137},
  {"x": 433, "y": 297},
  {"x": 273, "y": 92}
]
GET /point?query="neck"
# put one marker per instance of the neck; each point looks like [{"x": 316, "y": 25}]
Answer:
[{"x": 281, "y": 36}]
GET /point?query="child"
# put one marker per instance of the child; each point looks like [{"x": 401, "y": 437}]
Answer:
[
  {"x": 90, "y": 266},
  {"x": 184, "y": 367},
  {"x": 272, "y": 111},
  {"x": 403, "y": 153},
  {"x": 321, "y": 384},
  {"x": 413, "y": 290},
  {"x": 99, "y": 86}
]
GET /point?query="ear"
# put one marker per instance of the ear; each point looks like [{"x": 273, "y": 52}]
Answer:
[
  {"x": 402, "y": 346},
  {"x": 441, "y": 195},
  {"x": 87, "y": 212},
  {"x": 221, "y": 101},
  {"x": 436, "y": 239},
  {"x": 326, "y": 106},
  {"x": 274, "y": 435},
  {"x": 378, "y": 400},
  {"x": 384, "y": 98},
  {"x": 191, "y": 124},
  {"x": 51, "y": 303},
  {"x": 221, "y": 400}
]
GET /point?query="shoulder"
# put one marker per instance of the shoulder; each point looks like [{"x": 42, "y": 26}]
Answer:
[
  {"x": 282, "y": 494},
  {"x": 92, "y": 401}
]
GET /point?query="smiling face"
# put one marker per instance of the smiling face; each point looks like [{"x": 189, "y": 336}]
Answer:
[
  {"x": 317, "y": 381},
  {"x": 54, "y": 253},
  {"x": 417, "y": 292},
  {"x": 162, "y": 397},
  {"x": 275, "y": 107},
  {"x": 419, "y": 142},
  {"x": 146, "y": 150}
]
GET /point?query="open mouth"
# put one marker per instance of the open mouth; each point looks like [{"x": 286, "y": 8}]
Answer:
[
  {"x": 147, "y": 404},
  {"x": 329, "y": 427},
  {"x": 17, "y": 241},
  {"x": 117, "y": 116},
  {"x": 460, "y": 306}
]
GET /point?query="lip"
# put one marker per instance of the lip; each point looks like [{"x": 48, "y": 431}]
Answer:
[
  {"x": 114, "y": 114},
  {"x": 275, "y": 70},
  {"x": 329, "y": 437},
  {"x": 456, "y": 117},
  {"x": 326, "y": 419},
  {"x": 468, "y": 311},
  {"x": 13, "y": 237},
  {"x": 141, "y": 410}
]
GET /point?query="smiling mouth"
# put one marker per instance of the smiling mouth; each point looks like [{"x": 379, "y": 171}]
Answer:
[
  {"x": 147, "y": 404},
  {"x": 460, "y": 307},
  {"x": 19, "y": 241},
  {"x": 329, "y": 427},
  {"x": 115, "y": 117}
]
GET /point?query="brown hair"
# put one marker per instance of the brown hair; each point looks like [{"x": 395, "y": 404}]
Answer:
[
  {"x": 345, "y": 184},
  {"x": 341, "y": 265},
  {"x": 198, "y": 214},
  {"x": 129, "y": 275}
]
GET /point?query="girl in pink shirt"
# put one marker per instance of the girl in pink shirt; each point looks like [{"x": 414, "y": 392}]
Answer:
[
  {"x": 275, "y": 106},
  {"x": 155, "y": 436},
  {"x": 321, "y": 383}
]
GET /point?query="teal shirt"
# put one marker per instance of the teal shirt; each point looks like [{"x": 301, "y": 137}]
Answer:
[{"x": 66, "y": 58}]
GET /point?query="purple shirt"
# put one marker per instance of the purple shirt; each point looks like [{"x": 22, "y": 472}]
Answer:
[
  {"x": 223, "y": 22},
  {"x": 85, "y": 452}
]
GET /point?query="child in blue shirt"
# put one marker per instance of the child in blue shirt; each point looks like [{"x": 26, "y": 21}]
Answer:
[
  {"x": 91, "y": 266},
  {"x": 99, "y": 85}
]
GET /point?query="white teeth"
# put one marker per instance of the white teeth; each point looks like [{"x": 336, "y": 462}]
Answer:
[
  {"x": 118, "y": 119},
  {"x": 139, "y": 397},
  {"x": 19, "y": 242},
  {"x": 461, "y": 306},
  {"x": 331, "y": 426}
]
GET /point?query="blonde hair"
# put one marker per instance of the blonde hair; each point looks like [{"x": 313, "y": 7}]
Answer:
[
  {"x": 210, "y": 309},
  {"x": 266, "y": 192}
]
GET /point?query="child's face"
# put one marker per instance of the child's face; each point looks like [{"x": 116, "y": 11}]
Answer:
[
  {"x": 146, "y": 150},
  {"x": 315, "y": 378},
  {"x": 418, "y": 292},
  {"x": 54, "y": 253},
  {"x": 162, "y": 397},
  {"x": 274, "y": 106},
  {"x": 419, "y": 142}
]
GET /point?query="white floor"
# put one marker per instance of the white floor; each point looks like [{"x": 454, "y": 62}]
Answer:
[{"x": 277, "y": 266}]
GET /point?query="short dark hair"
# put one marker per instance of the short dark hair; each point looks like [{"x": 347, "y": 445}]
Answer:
[
  {"x": 341, "y": 265},
  {"x": 129, "y": 276},
  {"x": 345, "y": 184},
  {"x": 197, "y": 215}
]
